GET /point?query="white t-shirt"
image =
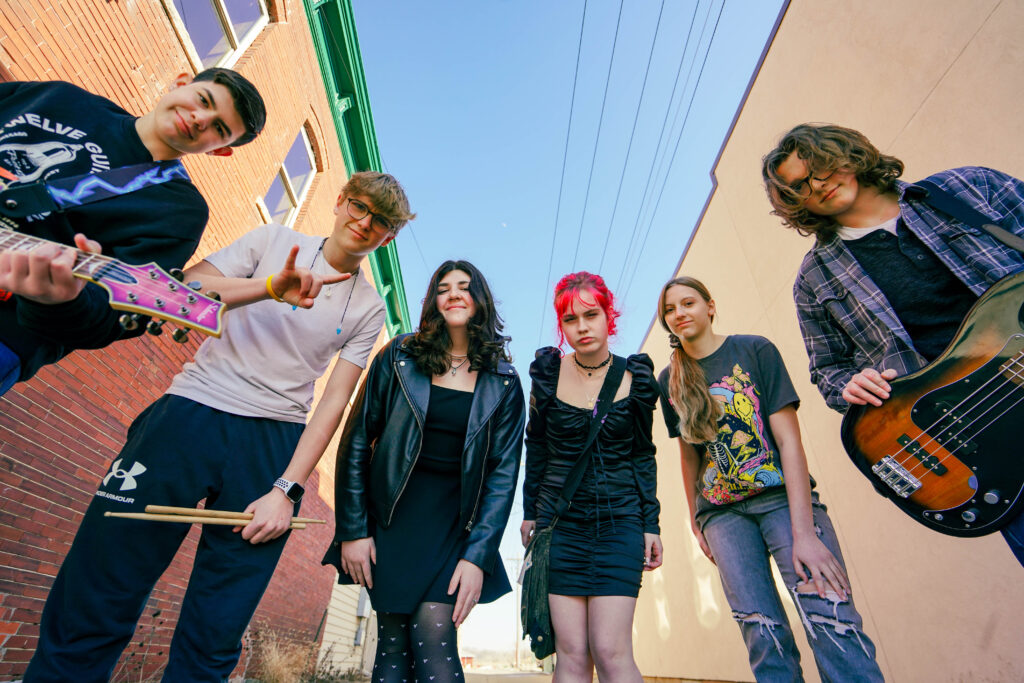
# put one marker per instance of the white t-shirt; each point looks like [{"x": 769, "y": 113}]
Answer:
[
  {"x": 856, "y": 233},
  {"x": 269, "y": 356}
]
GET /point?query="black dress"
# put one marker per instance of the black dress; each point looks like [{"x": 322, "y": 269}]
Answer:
[
  {"x": 598, "y": 545},
  {"x": 417, "y": 554}
]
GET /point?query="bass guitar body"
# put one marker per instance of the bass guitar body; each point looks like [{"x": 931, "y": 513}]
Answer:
[{"x": 946, "y": 446}]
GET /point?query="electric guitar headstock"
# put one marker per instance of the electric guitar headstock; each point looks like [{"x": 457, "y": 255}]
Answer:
[{"x": 139, "y": 290}]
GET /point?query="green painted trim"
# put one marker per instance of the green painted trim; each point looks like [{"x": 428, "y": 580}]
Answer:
[{"x": 333, "y": 29}]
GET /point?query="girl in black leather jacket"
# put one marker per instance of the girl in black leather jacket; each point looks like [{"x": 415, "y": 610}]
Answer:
[
  {"x": 426, "y": 473},
  {"x": 609, "y": 535}
]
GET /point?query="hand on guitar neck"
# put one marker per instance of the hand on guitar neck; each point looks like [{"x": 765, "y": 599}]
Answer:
[
  {"x": 868, "y": 386},
  {"x": 44, "y": 274}
]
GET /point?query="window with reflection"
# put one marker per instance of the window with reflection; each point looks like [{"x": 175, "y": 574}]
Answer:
[
  {"x": 291, "y": 184},
  {"x": 220, "y": 30}
]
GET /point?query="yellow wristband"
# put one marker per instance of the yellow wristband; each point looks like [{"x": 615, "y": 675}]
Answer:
[{"x": 270, "y": 290}]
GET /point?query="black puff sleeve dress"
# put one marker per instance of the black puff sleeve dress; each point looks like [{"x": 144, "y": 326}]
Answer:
[{"x": 598, "y": 545}]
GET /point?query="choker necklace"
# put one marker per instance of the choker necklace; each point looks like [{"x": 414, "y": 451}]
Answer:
[{"x": 590, "y": 368}]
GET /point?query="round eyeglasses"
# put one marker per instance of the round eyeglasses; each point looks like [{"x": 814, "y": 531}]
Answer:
[{"x": 358, "y": 210}]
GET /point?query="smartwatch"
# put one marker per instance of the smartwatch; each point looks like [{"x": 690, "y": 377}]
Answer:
[{"x": 291, "y": 489}]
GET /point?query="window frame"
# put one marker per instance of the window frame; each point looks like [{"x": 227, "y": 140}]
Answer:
[
  {"x": 296, "y": 197},
  {"x": 238, "y": 46}
]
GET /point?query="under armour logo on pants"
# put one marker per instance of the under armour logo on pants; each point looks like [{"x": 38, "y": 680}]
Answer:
[{"x": 128, "y": 476}]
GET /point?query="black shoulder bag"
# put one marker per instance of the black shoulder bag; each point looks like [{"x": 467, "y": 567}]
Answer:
[{"x": 534, "y": 610}]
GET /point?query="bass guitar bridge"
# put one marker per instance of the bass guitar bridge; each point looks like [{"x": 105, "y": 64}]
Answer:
[{"x": 896, "y": 476}]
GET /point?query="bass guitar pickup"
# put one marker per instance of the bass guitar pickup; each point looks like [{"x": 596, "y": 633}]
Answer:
[
  {"x": 929, "y": 461},
  {"x": 896, "y": 476}
]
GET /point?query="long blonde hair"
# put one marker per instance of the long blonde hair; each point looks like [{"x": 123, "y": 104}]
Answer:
[{"x": 688, "y": 388}]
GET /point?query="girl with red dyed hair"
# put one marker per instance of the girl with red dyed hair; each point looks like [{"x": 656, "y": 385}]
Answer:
[{"x": 608, "y": 536}]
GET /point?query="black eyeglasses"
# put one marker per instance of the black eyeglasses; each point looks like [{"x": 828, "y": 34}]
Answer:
[
  {"x": 803, "y": 188},
  {"x": 358, "y": 210}
]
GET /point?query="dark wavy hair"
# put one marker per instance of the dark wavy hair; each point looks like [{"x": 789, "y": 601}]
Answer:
[
  {"x": 825, "y": 148},
  {"x": 431, "y": 343}
]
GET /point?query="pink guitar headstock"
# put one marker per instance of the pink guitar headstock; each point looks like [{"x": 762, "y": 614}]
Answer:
[{"x": 149, "y": 290}]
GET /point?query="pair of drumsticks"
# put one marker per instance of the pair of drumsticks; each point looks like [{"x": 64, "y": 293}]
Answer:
[{"x": 166, "y": 513}]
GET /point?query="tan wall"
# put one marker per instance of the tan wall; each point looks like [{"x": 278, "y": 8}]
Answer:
[{"x": 935, "y": 83}]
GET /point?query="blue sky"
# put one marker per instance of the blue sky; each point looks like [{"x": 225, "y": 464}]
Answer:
[{"x": 471, "y": 102}]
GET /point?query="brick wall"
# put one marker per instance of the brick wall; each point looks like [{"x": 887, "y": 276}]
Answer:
[{"x": 59, "y": 432}]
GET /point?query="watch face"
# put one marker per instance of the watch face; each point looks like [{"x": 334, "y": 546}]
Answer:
[{"x": 295, "y": 492}]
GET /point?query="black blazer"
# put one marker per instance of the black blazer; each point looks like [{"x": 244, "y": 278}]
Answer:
[{"x": 382, "y": 439}]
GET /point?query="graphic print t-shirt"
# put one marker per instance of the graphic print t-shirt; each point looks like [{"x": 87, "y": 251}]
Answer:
[
  {"x": 57, "y": 130},
  {"x": 748, "y": 379}
]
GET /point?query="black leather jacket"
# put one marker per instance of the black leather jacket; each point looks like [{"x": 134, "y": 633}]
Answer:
[{"x": 381, "y": 442}]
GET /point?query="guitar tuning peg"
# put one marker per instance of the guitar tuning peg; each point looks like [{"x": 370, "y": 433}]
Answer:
[
  {"x": 129, "y": 321},
  {"x": 155, "y": 327},
  {"x": 178, "y": 274},
  {"x": 180, "y": 335},
  {"x": 213, "y": 295},
  {"x": 194, "y": 285}
]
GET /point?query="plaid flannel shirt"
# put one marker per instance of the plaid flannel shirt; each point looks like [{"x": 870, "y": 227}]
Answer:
[{"x": 847, "y": 323}]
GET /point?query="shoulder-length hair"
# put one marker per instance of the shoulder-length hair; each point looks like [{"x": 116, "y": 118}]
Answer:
[
  {"x": 825, "y": 148},
  {"x": 687, "y": 386},
  {"x": 431, "y": 343}
]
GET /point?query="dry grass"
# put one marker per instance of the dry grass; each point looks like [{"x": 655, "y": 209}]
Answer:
[{"x": 279, "y": 661}]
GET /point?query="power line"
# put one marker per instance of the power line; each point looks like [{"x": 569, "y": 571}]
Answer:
[
  {"x": 661, "y": 134},
  {"x": 561, "y": 183},
  {"x": 597, "y": 138},
  {"x": 629, "y": 147},
  {"x": 409, "y": 230},
  {"x": 678, "y": 141}
]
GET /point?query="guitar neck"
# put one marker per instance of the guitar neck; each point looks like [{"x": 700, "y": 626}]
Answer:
[{"x": 88, "y": 266}]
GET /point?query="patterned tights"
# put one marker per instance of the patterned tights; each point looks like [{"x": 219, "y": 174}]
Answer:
[{"x": 418, "y": 647}]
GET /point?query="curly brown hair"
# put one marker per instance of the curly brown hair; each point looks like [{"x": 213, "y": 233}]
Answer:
[
  {"x": 430, "y": 345},
  {"x": 825, "y": 148}
]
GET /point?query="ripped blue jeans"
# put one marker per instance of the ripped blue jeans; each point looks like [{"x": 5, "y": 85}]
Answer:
[{"x": 741, "y": 536}]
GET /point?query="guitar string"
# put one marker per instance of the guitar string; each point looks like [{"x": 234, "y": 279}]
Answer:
[
  {"x": 952, "y": 451},
  {"x": 1016, "y": 360},
  {"x": 933, "y": 438},
  {"x": 927, "y": 430}
]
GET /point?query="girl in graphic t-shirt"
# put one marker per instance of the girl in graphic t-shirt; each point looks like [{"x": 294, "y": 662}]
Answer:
[{"x": 730, "y": 402}]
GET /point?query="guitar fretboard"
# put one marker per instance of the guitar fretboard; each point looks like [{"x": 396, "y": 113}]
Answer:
[{"x": 87, "y": 265}]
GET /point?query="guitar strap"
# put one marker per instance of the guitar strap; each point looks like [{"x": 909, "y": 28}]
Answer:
[
  {"x": 947, "y": 202},
  {"x": 604, "y": 403},
  {"x": 65, "y": 193}
]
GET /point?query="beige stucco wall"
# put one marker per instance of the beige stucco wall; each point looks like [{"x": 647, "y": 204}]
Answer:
[{"x": 936, "y": 83}]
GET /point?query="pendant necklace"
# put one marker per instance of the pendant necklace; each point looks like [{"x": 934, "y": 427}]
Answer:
[
  {"x": 583, "y": 383},
  {"x": 454, "y": 367},
  {"x": 328, "y": 292},
  {"x": 590, "y": 368}
]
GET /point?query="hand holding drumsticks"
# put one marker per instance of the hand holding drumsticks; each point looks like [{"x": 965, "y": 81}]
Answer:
[{"x": 240, "y": 520}]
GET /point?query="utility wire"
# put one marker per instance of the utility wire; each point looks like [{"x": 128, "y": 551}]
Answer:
[
  {"x": 661, "y": 135},
  {"x": 561, "y": 183},
  {"x": 597, "y": 138},
  {"x": 629, "y": 147},
  {"x": 408, "y": 231},
  {"x": 664, "y": 183}
]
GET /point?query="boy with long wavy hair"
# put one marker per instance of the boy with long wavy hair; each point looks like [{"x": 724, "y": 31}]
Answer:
[{"x": 889, "y": 279}]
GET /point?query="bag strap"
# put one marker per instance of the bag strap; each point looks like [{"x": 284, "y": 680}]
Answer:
[
  {"x": 947, "y": 202},
  {"x": 64, "y": 193},
  {"x": 604, "y": 402}
]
